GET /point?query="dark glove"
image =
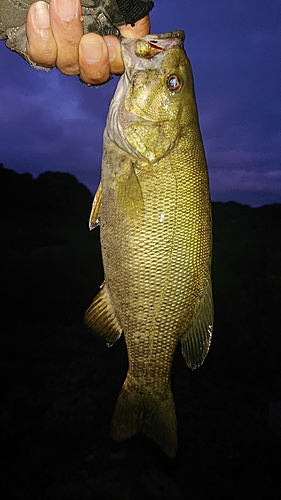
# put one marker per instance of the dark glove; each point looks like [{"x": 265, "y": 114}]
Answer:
[{"x": 99, "y": 16}]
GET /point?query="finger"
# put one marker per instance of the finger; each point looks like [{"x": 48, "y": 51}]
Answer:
[
  {"x": 141, "y": 28},
  {"x": 66, "y": 21},
  {"x": 114, "y": 54},
  {"x": 41, "y": 45},
  {"x": 93, "y": 59}
]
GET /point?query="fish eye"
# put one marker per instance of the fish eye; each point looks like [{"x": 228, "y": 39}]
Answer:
[{"x": 174, "y": 83}]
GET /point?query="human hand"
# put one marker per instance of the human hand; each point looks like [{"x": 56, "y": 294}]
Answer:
[{"x": 55, "y": 38}]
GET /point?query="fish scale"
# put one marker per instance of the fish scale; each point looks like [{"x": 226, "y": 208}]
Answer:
[{"x": 155, "y": 227}]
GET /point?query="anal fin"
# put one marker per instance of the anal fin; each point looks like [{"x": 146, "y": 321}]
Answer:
[
  {"x": 100, "y": 317},
  {"x": 196, "y": 340}
]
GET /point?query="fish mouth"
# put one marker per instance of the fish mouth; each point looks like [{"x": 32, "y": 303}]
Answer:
[
  {"x": 136, "y": 52},
  {"x": 150, "y": 45}
]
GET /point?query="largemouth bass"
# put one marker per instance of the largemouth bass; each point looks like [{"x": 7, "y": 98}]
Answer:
[{"x": 153, "y": 207}]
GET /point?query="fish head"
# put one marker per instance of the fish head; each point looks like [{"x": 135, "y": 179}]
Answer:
[
  {"x": 154, "y": 94},
  {"x": 156, "y": 72}
]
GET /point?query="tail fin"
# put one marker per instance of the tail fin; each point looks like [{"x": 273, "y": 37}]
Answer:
[{"x": 155, "y": 416}]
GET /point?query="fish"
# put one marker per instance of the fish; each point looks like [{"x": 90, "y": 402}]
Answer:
[{"x": 154, "y": 211}]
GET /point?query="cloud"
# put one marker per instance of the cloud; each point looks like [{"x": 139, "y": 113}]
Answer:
[{"x": 50, "y": 121}]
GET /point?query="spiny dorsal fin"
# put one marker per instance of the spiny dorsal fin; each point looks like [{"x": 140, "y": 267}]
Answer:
[
  {"x": 196, "y": 340},
  {"x": 95, "y": 212},
  {"x": 100, "y": 317}
]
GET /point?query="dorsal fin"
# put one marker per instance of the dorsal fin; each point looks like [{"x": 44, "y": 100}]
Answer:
[{"x": 96, "y": 207}]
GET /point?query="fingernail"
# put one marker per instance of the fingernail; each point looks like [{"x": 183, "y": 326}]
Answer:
[
  {"x": 92, "y": 52},
  {"x": 41, "y": 15},
  {"x": 67, "y": 9}
]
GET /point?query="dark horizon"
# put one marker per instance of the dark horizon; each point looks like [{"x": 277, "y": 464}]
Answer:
[
  {"x": 73, "y": 178},
  {"x": 60, "y": 383}
]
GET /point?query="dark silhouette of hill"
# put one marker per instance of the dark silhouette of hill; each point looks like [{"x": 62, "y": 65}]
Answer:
[
  {"x": 59, "y": 383},
  {"x": 51, "y": 193},
  {"x": 45, "y": 244}
]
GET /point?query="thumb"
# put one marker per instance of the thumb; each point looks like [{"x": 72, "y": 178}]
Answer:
[{"x": 141, "y": 28}]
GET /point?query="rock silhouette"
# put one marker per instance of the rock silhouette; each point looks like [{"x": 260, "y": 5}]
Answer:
[{"x": 59, "y": 383}]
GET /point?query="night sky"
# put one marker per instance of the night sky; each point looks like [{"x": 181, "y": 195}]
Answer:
[{"x": 49, "y": 121}]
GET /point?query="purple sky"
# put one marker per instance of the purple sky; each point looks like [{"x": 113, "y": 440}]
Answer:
[{"x": 49, "y": 121}]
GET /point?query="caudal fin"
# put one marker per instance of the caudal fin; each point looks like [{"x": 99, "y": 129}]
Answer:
[{"x": 155, "y": 416}]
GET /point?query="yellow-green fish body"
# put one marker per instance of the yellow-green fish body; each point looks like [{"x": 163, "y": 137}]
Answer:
[{"x": 155, "y": 224}]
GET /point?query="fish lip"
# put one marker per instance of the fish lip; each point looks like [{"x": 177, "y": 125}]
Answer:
[
  {"x": 178, "y": 34},
  {"x": 162, "y": 36}
]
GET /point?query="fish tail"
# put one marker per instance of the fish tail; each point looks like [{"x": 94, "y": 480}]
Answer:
[{"x": 140, "y": 412}]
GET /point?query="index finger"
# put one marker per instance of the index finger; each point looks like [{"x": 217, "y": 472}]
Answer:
[{"x": 41, "y": 44}]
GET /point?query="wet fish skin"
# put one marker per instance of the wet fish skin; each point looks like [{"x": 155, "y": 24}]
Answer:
[{"x": 155, "y": 225}]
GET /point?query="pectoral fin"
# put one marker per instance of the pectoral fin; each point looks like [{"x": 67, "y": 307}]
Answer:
[
  {"x": 129, "y": 193},
  {"x": 95, "y": 212},
  {"x": 196, "y": 340},
  {"x": 100, "y": 317}
]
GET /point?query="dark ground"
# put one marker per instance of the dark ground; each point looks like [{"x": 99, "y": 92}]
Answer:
[{"x": 59, "y": 384}]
